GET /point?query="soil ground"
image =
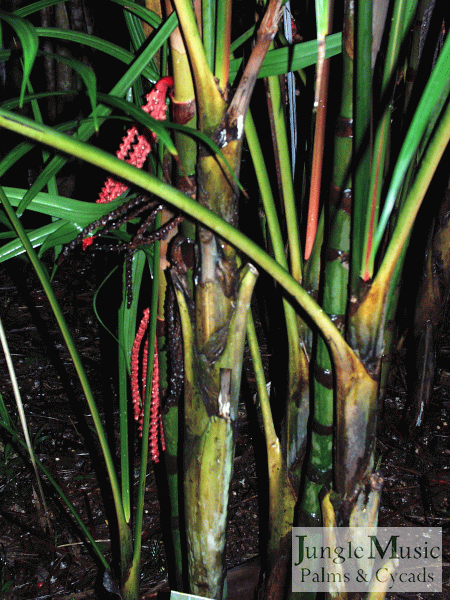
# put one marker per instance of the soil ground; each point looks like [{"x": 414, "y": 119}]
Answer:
[{"x": 37, "y": 564}]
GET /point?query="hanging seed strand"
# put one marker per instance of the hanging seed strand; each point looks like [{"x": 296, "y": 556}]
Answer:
[
  {"x": 135, "y": 353},
  {"x": 129, "y": 277},
  {"x": 175, "y": 348},
  {"x": 116, "y": 224},
  {"x": 156, "y": 427}
]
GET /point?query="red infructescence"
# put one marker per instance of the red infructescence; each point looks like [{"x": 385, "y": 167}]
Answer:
[
  {"x": 134, "y": 149},
  {"x": 156, "y": 426}
]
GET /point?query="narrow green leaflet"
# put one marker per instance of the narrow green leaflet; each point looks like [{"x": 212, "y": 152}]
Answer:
[
  {"x": 29, "y": 41},
  {"x": 72, "y": 215},
  {"x": 14, "y": 155},
  {"x": 143, "y": 13},
  {"x": 322, "y": 14},
  {"x": 75, "y": 211},
  {"x": 242, "y": 39},
  {"x": 14, "y": 102},
  {"x": 36, "y": 237},
  {"x": 291, "y": 58},
  {"x": 63, "y": 234},
  {"x": 146, "y": 15},
  {"x": 135, "y": 29},
  {"x": 97, "y": 43}
]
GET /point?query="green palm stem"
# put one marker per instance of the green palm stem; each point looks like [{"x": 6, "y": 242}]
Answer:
[
  {"x": 214, "y": 294},
  {"x": 318, "y": 153},
  {"x": 324, "y": 17},
  {"x": 362, "y": 133},
  {"x": 223, "y": 41},
  {"x": 124, "y": 531},
  {"x": 295, "y": 429},
  {"x": 312, "y": 274},
  {"x": 334, "y": 282},
  {"x": 287, "y": 185},
  {"x": 184, "y": 113},
  {"x": 282, "y": 493},
  {"x": 126, "y": 332},
  {"x": 368, "y": 320},
  {"x": 297, "y": 401},
  {"x": 212, "y": 449},
  {"x": 319, "y": 461},
  {"x": 356, "y": 417},
  {"x": 210, "y": 104},
  {"x": 217, "y": 330},
  {"x": 208, "y": 30},
  {"x": 364, "y": 514},
  {"x": 209, "y": 443},
  {"x": 183, "y": 104},
  {"x": 335, "y": 277},
  {"x": 171, "y": 430}
]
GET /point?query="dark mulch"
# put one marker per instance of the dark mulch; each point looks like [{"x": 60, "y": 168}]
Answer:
[{"x": 57, "y": 565}]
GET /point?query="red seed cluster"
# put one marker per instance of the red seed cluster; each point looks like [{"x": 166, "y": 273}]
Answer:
[
  {"x": 156, "y": 425},
  {"x": 135, "y": 147}
]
